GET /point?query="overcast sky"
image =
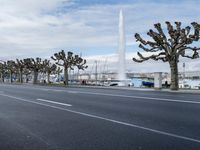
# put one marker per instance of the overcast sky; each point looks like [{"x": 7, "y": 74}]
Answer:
[{"x": 31, "y": 28}]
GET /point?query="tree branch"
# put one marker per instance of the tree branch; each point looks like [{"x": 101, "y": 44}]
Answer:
[{"x": 160, "y": 56}]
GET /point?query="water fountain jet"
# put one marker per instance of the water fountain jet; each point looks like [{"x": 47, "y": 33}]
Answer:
[{"x": 122, "y": 47}]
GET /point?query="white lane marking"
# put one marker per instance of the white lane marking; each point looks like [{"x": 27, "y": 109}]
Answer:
[
  {"x": 110, "y": 120},
  {"x": 73, "y": 92},
  {"x": 140, "y": 97},
  {"x": 54, "y": 90},
  {"x": 53, "y": 102},
  {"x": 45, "y": 89},
  {"x": 58, "y": 90}
]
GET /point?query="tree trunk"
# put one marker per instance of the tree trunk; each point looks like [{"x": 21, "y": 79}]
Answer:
[
  {"x": 58, "y": 77},
  {"x": 21, "y": 76},
  {"x": 48, "y": 77},
  {"x": 35, "y": 77},
  {"x": 66, "y": 75},
  {"x": 3, "y": 77},
  {"x": 174, "y": 75},
  {"x": 11, "y": 80},
  {"x": 26, "y": 78}
]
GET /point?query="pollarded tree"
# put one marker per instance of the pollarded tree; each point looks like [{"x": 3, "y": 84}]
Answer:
[
  {"x": 20, "y": 65},
  {"x": 35, "y": 65},
  {"x": 2, "y": 70},
  {"x": 11, "y": 67},
  {"x": 68, "y": 62},
  {"x": 49, "y": 68},
  {"x": 168, "y": 48}
]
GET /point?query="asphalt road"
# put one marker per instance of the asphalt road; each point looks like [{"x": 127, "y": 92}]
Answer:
[{"x": 53, "y": 118}]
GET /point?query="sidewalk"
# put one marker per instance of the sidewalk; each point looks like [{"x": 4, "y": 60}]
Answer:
[{"x": 138, "y": 89}]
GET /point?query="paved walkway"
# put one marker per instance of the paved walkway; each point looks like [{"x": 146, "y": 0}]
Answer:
[{"x": 140, "y": 89}]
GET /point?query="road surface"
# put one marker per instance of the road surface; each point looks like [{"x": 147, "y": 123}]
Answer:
[{"x": 55, "y": 118}]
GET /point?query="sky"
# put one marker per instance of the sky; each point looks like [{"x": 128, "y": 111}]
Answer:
[{"x": 32, "y": 28}]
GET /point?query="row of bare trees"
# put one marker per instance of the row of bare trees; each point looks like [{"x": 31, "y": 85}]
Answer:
[
  {"x": 25, "y": 67},
  {"x": 179, "y": 42}
]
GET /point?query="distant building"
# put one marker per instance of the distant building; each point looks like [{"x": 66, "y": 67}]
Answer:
[{"x": 192, "y": 75}]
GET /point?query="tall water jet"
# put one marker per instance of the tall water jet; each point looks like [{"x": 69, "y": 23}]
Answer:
[{"x": 122, "y": 47}]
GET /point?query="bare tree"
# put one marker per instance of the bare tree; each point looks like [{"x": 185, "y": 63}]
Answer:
[
  {"x": 35, "y": 65},
  {"x": 68, "y": 61},
  {"x": 2, "y": 70},
  {"x": 49, "y": 68},
  {"x": 11, "y": 67},
  {"x": 20, "y": 67},
  {"x": 179, "y": 42}
]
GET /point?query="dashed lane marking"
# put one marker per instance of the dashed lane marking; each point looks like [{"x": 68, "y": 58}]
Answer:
[{"x": 53, "y": 102}]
